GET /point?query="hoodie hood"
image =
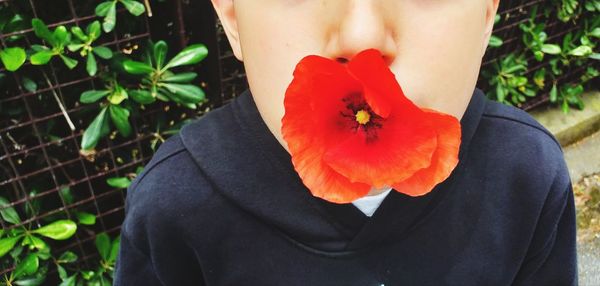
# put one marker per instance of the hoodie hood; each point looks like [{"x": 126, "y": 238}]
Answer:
[{"x": 255, "y": 173}]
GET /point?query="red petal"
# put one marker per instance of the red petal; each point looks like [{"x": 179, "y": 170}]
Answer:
[
  {"x": 382, "y": 90},
  {"x": 311, "y": 123},
  {"x": 319, "y": 84},
  {"x": 444, "y": 159},
  {"x": 402, "y": 147},
  {"x": 322, "y": 180},
  {"x": 413, "y": 149}
]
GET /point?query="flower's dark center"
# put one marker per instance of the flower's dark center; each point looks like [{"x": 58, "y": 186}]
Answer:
[{"x": 360, "y": 116}]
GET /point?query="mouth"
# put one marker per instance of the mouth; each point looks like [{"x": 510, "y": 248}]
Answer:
[{"x": 343, "y": 61}]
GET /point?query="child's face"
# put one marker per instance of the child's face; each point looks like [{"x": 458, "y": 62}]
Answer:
[{"x": 434, "y": 47}]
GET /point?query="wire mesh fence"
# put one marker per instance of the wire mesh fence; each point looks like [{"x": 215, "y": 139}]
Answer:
[
  {"x": 42, "y": 171},
  {"x": 515, "y": 12},
  {"x": 41, "y": 129}
]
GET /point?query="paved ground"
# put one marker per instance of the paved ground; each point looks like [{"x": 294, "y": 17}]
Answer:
[
  {"x": 583, "y": 157},
  {"x": 589, "y": 262},
  {"x": 583, "y": 160}
]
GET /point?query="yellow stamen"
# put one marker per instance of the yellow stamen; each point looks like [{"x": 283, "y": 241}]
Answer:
[{"x": 362, "y": 116}]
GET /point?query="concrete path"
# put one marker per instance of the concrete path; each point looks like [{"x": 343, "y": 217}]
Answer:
[
  {"x": 583, "y": 158},
  {"x": 588, "y": 262}
]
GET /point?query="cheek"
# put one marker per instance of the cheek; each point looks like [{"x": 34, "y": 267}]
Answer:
[
  {"x": 439, "y": 56},
  {"x": 271, "y": 50},
  {"x": 272, "y": 44}
]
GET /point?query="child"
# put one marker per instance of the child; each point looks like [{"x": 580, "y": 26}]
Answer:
[{"x": 220, "y": 203}]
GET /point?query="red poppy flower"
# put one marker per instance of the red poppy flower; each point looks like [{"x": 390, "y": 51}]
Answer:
[{"x": 350, "y": 127}]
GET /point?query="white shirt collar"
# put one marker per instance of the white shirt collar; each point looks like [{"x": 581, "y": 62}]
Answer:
[{"x": 368, "y": 204}]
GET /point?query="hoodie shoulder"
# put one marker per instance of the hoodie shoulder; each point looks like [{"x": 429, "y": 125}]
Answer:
[
  {"x": 522, "y": 120},
  {"x": 170, "y": 166},
  {"x": 520, "y": 147},
  {"x": 170, "y": 186}
]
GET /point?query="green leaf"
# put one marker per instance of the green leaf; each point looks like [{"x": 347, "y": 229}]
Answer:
[
  {"x": 551, "y": 49},
  {"x": 134, "y": 7},
  {"x": 69, "y": 62},
  {"x": 134, "y": 67},
  {"x": 75, "y": 30},
  {"x": 41, "y": 31},
  {"x": 189, "y": 56},
  {"x": 495, "y": 41},
  {"x": 91, "y": 66},
  {"x": 93, "y": 30},
  {"x": 27, "y": 266},
  {"x": 585, "y": 41},
  {"x": 65, "y": 192},
  {"x": 595, "y": 56},
  {"x": 103, "y": 245},
  {"x": 90, "y": 96},
  {"x": 87, "y": 274},
  {"x": 74, "y": 47},
  {"x": 36, "y": 242},
  {"x": 520, "y": 80},
  {"x": 191, "y": 106},
  {"x": 11, "y": 23},
  {"x": 186, "y": 92},
  {"x": 553, "y": 93},
  {"x": 103, "y": 52},
  {"x": 111, "y": 17},
  {"x": 102, "y": 8},
  {"x": 61, "y": 36},
  {"x": 500, "y": 94},
  {"x": 120, "y": 117},
  {"x": 160, "y": 52},
  {"x": 539, "y": 78},
  {"x": 58, "y": 230},
  {"x": 565, "y": 106},
  {"x": 85, "y": 218},
  {"x": 119, "y": 182},
  {"x": 7, "y": 244},
  {"x": 141, "y": 96},
  {"x": 118, "y": 95},
  {"x": 29, "y": 84},
  {"x": 581, "y": 51},
  {"x": 36, "y": 279},
  {"x": 62, "y": 273},
  {"x": 539, "y": 55},
  {"x": 529, "y": 92},
  {"x": 9, "y": 214},
  {"x": 92, "y": 133},
  {"x": 114, "y": 249},
  {"x": 515, "y": 68},
  {"x": 91, "y": 276},
  {"x": 13, "y": 58},
  {"x": 67, "y": 257},
  {"x": 105, "y": 129},
  {"x": 41, "y": 57},
  {"x": 70, "y": 281},
  {"x": 595, "y": 32},
  {"x": 180, "y": 77}
]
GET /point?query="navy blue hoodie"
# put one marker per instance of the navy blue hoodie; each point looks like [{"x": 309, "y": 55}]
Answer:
[{"x": 221, "y": 204}]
